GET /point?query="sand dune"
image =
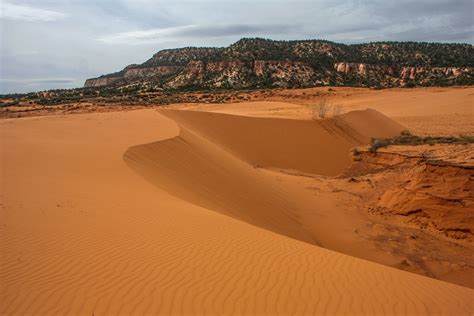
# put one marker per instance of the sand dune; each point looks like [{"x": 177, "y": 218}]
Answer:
[
  {"x": 196, "y": 170},
  {"x": 206, "y": 173},
  {"x": 320, "y": 147},
  {"x": 424, "y": 111},
  {"x": 82, "y": 233}
]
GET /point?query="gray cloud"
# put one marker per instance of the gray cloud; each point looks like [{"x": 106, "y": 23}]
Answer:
[
  {"x": 69, "y": 41},
  {"x": 28, "y": 13},
  {"x": 195, "y": 31},
  {"x": 38, "y": 81},
  {"x": 423, "y": 34},
  {"x": 12, "y": 85}
]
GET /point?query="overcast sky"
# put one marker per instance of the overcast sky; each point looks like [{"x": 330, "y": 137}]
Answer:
[{"x": 48, "y": 44}]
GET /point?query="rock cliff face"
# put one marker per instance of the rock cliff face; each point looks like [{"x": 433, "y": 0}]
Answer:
[
  {"x": 135, "y": 74},
  {"x": 400, "y": 75},
  {"x": 159, "y": 71},
  {"x": 240, "y": 74},
  {"x": 98, "y": 82},
  {"x": 256, "y": 63}
]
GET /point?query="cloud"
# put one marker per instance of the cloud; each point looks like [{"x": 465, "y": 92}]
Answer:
[
  {"x": 28, "y": 13},
  {"x": 159, "y": 35},
  {"x": 38, "y": 80},
  {"x": 35, "y": 84},
  {"x": 430, "y": 35}
]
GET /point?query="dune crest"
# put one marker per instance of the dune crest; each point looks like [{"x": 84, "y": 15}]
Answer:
[
  {"x": 198, "y": 171},
  {"x": 211, "y": 163},
  {"x": 311, "y": 146}
]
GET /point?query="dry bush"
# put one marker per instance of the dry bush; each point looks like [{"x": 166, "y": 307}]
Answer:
[
  {"x": 336, "y": 109},
  {"x": 321, "y": 109}
]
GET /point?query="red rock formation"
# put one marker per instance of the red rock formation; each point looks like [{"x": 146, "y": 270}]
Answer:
[
  {"x": 98, "y": 82},
  {"x": 404, "y": 73},
  {"x": 136, "y": 73},
  {"x": 266, "y": 63}
]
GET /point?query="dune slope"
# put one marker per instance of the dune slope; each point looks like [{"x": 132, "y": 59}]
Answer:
[
  {"x": 320, "y": 147},
  {"x": 203, "y": 166},
  {"x": 198, "y": 171},
  {"x": 82, "y": 234},
  {"x": 202, "y": 172}
]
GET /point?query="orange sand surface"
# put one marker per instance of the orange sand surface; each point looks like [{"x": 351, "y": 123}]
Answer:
[
  {"x": 425, "y": 111},
  {"x": 160, "y": 213}
]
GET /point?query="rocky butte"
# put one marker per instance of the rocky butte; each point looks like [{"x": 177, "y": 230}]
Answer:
[{"x": 263, "y": 63}]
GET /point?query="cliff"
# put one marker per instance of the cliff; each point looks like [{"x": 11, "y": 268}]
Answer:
[
  {"x": 402, "y": 75},
  {"x": 257, "y": 63}
]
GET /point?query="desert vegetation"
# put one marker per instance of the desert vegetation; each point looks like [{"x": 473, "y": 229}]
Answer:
[
  {"x": 406, "y": 138},
  {"x": 324, "y": 108}
]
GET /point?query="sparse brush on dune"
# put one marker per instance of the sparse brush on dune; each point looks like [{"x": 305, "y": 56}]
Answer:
[
  {"x": 406, "y": 138},
  {"x": 337, "y": 110},
  {"x": 324, "y": 108},
  {"x": 321, "y": 109}
]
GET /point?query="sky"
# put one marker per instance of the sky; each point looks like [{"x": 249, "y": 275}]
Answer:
[{"x": 50, "y": 44}]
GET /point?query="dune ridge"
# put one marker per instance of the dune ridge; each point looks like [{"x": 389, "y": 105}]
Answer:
[
  {"x": 320, "y": 147},
  {"x": 213, "y": 165},
  {"x": 196, "y": 170},
  {"x": 82, "y": 234}
]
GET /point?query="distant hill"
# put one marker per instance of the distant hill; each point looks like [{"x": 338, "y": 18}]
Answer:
[{"x": 263, "y": 63}]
